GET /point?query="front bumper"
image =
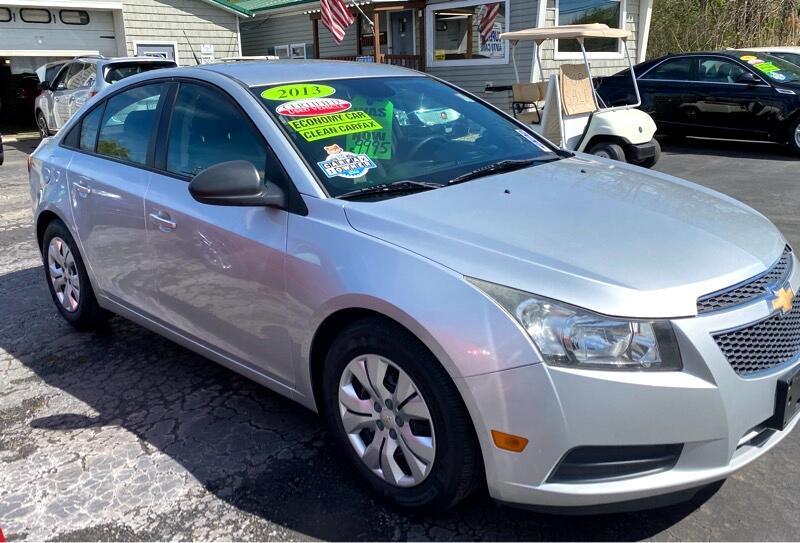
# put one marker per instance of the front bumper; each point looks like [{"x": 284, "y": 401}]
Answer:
[
  {"x": 641, "y": 151},
  {"x": 716, "y": 415}
]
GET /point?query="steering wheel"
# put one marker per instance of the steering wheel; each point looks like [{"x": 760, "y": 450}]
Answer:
[{"x": 425, "y": 142}]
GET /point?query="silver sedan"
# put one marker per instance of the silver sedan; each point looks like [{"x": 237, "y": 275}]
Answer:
[{"x": 465, "y": 303}]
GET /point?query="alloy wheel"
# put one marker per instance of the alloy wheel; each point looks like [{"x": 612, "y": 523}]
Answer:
[
  {"x": 64, "y": 274},
  {"x": 797, "y": 136},
  {"x": 43, "y": 132},
  {"x": 387, "y": 420}
]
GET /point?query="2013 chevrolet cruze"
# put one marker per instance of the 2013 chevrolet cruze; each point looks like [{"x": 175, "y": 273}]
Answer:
[{"x": 463, "y": 301}]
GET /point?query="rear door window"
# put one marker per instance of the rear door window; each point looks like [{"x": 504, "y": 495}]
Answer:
[
  {"x": 128, "y": 121},
  {"x": 677, "y": 69}
]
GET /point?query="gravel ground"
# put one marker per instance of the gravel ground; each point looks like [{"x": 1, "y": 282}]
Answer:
[{"x": 121, "y": 435}]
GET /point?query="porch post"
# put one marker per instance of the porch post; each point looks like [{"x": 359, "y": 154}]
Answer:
[
  {"x": 376, "y": 34},
  {"x": 422, "y": 54},
  {"x": 315, "y": 39}
]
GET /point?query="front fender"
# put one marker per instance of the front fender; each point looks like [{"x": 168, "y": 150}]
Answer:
[{"x": 630, "y": 125}]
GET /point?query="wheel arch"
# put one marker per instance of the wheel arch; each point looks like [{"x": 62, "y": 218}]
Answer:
[{"x": 42, "y": 220}]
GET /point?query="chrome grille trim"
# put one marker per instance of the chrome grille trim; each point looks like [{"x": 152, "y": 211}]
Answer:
[
  {"x": 749, "y": 290},
  {"x": 763, "y": 345}
]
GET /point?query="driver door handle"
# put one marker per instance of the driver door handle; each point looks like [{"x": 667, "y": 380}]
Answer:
[
  {"x": 163, "y": 221},
  {"x": 82, "y": 190}
]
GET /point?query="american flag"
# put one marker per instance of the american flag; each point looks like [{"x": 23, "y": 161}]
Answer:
[
  {"x": 486, "y": 20},
  {"x": 336, "y": 18}
]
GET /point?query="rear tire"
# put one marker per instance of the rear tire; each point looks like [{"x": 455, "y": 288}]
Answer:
[
  {"x": 424, "y": 402},
  {"x": 68, "y": 281},
  {"x": 41, "y": 123},
  {"x": 607, "y": 149},
  {"x": 794, "y": 136}
]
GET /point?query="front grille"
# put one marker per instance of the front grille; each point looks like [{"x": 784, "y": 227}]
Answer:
[
  {"x": 764, "y": 344},
  {"x": 750, "y": 289}
]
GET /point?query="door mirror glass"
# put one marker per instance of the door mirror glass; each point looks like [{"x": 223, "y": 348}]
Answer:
[
  {"x": 235, "y": 183},
  {"x": 748, "y": 78}
]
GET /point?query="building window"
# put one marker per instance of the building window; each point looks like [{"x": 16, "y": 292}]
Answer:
[
  {"x": 74, "y": 16},
  {"x": 466, "y": 33},
  {"x": 282, "y": 51},
  {"x": 35, "y": 15},
  {"x": 298, "y": 50},
  {"x": 574, "y": 12},
  {"x": 5, "y": 15}
]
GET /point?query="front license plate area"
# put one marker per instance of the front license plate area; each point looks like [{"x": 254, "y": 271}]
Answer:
[{"x": 787, "y": 400}]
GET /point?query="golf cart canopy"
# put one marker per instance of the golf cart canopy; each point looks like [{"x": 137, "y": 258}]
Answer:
[{"x": 579, "y": 32}]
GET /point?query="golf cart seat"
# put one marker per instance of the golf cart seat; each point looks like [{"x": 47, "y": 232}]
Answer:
[
  {"x": 577, "y": 97},
  {"x": 527, "y": 101}
]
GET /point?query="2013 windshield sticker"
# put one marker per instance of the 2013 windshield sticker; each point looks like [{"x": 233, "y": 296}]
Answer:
[
  {"x": 341, "y": 163},
  {"x": 311, "y": 107},
  {"x": 330, "y": 126},
  {"x": 297, "y": 91}
]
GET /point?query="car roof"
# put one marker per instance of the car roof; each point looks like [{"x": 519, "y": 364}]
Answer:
[
  {"x": 777, "y": 49},
  {"x": 269, "y": 72}
]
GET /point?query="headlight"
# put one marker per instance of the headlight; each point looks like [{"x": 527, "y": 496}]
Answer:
[{"x": 574, "y": 337}]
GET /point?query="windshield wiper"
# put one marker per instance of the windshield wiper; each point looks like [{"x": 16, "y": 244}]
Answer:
[
  {"x": 398, "y": 186},
  {"x": 500, "y": 167}
]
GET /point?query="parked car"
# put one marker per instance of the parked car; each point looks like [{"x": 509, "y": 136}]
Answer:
[
  {"x": 463, "y": 301},
  {"x": 788, "y": 53},
  {"x": 2, "y": 153},
  {"x": 76, "y": 81},
  {"x": 729, "y": 94}
]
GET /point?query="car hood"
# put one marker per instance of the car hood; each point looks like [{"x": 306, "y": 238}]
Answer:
[{"x": 609, "y": 237}]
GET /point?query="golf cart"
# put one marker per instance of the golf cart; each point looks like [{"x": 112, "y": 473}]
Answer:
[{"x": 566, "y": 108}]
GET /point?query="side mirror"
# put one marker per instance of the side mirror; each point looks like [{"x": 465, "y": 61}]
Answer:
[
  {"x": 748, "y": 79},
  {"x": 235, "y": 183},
  {"x": 44, "y": 85}
]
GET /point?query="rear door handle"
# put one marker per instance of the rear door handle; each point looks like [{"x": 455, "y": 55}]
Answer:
[{"x": 163, "y": 221}]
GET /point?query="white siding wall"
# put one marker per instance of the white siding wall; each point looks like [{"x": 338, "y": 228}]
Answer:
[{"x": 167, "y": 20}]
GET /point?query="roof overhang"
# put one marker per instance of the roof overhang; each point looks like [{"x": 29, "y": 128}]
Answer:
[
  {"x": 230, "y": 8},
  {"x": 66, "y": 53}
]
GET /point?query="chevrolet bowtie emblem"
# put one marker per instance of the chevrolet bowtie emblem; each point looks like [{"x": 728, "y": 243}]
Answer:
[{"x": 783, "y": 300}]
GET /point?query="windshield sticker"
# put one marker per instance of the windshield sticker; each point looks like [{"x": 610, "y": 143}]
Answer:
[
  {"x": 777, "y": 76},
  {"x": 767, "y": 67},
  {"x": 754, "y": 61},
  {"x": 748, "y": 57},
  {"x": 341, "y": 163},
  {"x": 312, "y": 107},
  {"x": 375, "y": 143},
  {"x": 297, "y": 91},
  {"x": 533, "y": 140},
  {"x": 330, "y": 126}
]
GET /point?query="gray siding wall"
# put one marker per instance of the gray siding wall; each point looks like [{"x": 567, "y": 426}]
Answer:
[
  {"x": 166, "y": 20},
  {"x": 260, "y": 35},
  {"x": 474, "y": 78},
  {"x": 599, "y": 66}
]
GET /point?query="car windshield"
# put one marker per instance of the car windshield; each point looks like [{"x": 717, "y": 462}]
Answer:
[
  {"x": 771, "y": 67},
  {"x": 369, "y": 132}
]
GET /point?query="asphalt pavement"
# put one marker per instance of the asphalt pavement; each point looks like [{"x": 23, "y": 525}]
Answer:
[{"x": 121, "y": 434}]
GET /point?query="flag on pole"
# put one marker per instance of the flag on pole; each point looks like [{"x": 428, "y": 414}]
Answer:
[
  {"x": 336, "y": 18},
  {"x": 486, "y": 20}
]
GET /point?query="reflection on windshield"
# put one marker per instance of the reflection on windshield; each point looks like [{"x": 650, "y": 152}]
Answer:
[
  {"x": 772, "y": 67},
  {"x": 360, "y": 133}
]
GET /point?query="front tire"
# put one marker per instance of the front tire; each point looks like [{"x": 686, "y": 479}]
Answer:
[
  {"x": 607, "y": 149},
  {"x": 398, "y": 416},
  {"x": 68, "y": 281}
]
